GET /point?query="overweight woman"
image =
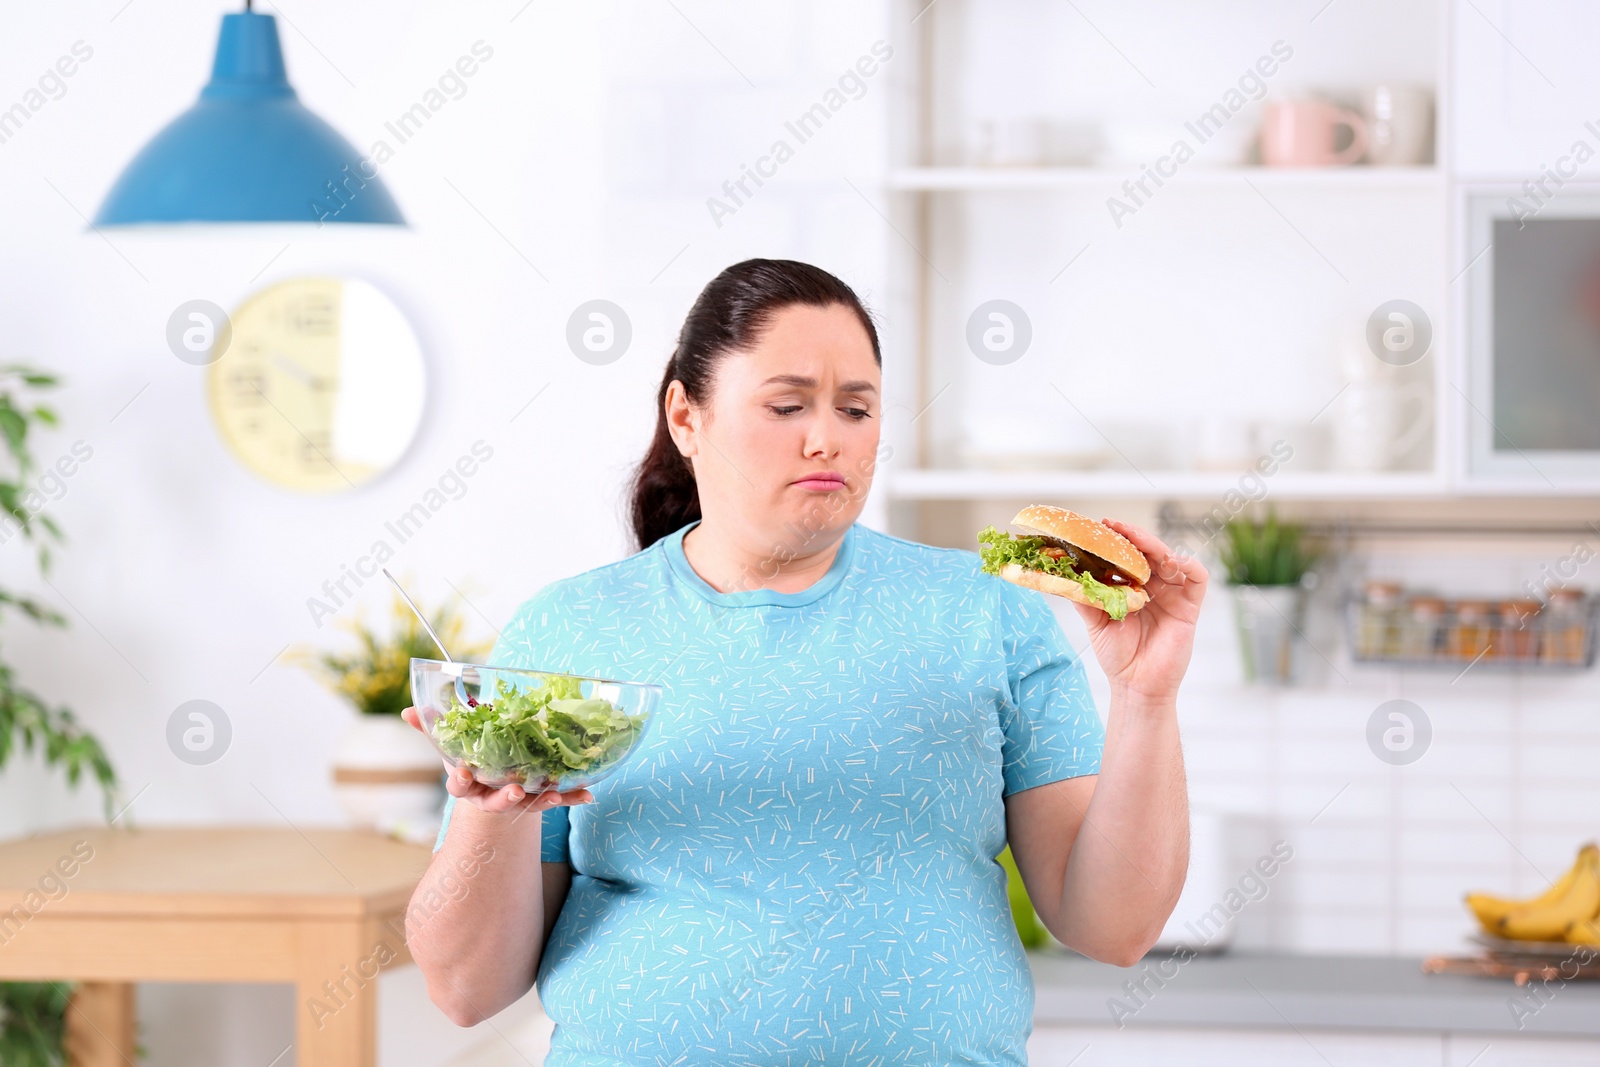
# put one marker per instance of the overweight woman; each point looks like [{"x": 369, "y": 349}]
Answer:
[{"x": 798, "y": 864}]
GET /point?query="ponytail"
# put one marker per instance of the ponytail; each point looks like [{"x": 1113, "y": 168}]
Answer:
[{"x": 665, "y": 496}]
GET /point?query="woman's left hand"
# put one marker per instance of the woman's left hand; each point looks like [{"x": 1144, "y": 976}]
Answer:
[{"x": 1146, "y": 654}]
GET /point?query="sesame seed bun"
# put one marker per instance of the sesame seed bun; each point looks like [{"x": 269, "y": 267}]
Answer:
[{"x": 1096, "y": 538}]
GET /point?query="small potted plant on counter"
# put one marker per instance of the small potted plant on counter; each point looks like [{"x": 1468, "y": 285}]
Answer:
[
  {"x": 1269, "y": 571},
  {"x": 386, "y": 775}
]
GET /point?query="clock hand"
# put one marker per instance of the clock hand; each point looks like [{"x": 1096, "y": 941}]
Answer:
[{"x": 294, "y": 370}]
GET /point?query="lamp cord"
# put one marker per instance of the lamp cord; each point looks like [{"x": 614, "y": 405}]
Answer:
[{"x": 249, "y": 5}]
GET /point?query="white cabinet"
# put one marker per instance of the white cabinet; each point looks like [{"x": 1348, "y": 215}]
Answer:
[
  {"x": 1104, "y": 1047},
  {"x": 1093, "y": 1046},
  {"x": 1518, "y": 67},
  {"x": 1490, "y": 1051}
]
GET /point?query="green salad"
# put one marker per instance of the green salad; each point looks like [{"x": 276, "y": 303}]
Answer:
[
  {"x": 536, "y": 735},
  {"x": 1002, "y": 548}
]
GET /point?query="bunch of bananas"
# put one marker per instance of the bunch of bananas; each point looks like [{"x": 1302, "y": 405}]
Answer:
[{"x": 1568, "y": 911}]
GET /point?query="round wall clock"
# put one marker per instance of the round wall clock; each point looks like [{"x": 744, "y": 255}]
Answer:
[{"x": 321, "y": 386}]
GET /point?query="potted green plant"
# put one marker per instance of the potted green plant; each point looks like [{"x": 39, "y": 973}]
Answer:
[
  {"x": 25, "y": 716},
  {"x": 33, "y": 1023},
  {"x": 386, "y": 775},
  {"x": 33, "y": 1014},
  {"x": 1268, "y": 565}
]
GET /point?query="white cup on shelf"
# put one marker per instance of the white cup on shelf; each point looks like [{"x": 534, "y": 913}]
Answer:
[
  {"x": 1007, "y": 142},
  {"x": 1399, "y": 124},
  {"x": 1031, "y": 441},
  {"x": 1377, "y": 422},
  {"x": 1220, "y": 442},
  {"x": 1135, "y": 140}
]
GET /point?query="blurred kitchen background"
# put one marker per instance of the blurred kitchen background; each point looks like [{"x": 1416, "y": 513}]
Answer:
[{"x": 1361, "y": 297}]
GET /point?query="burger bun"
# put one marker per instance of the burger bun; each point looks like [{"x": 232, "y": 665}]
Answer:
[
  {"x": 1064, "y": 587},
  {"x": 1096, "y": 538}
]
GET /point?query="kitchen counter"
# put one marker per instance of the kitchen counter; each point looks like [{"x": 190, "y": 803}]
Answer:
[{"x": 1249, "y": 990}]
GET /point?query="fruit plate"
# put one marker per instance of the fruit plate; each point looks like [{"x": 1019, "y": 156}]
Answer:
[{"x": 1502, "y": 946}]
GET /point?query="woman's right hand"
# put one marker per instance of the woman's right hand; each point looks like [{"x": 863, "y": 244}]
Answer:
[{"x": 461, "y": 785}]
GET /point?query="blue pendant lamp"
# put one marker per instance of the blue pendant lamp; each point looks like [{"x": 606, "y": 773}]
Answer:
[{"x": 248, "y": 151}]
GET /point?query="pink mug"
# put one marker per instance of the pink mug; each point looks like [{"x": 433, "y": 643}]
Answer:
[{"x": 1302, "y": 133}]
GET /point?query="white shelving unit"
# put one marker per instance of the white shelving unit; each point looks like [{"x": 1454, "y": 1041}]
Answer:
[
  {"x": 968, "y": 484},
  {"x": 934, "y": 200}
]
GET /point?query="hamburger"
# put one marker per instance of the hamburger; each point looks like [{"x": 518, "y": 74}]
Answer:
[{"x": 1061, "y": 552}]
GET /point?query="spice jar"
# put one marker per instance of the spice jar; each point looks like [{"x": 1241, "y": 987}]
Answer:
[
  {"x": 1471, "y": 634},
  {"x": 1419, "y": 635},
  {"x": 1378, "y": 624},
  {"x": 1519, "y": 630},
  {"x": 1565, "y": 634}
]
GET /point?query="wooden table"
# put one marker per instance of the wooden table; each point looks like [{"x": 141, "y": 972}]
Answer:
[{"x": 323, "y": 909}]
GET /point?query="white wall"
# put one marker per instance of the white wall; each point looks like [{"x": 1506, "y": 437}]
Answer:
[{"x": 591, "y": 141}]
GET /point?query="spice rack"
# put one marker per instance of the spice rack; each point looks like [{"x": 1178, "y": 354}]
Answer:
[
  {"x": 1415, "y": 628},
  {"x": 1387, "y": 624}
]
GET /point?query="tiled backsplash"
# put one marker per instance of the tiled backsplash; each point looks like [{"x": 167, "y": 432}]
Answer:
[{"x": 1505, "y": 793}]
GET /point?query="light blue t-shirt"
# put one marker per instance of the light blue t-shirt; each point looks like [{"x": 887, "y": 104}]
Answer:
[{"x": 798, "y": 864}]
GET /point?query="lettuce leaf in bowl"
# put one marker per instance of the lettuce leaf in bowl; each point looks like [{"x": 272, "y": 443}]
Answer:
[{"x": 537, "y": 735}]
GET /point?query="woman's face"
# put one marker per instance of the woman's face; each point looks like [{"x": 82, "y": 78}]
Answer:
[{"x": 783, "y": 452}]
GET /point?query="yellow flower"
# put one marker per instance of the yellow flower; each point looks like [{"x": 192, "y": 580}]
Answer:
[{"x": 376, "y": 678}]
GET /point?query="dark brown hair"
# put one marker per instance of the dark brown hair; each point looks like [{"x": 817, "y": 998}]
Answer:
[{"x": 730, "y": 313}]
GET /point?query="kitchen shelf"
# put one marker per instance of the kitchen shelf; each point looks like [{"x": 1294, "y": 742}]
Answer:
[
  {"x": 1479, "y": 487},
  {"x": 959, "y": 484},
  {"x": 1174, "y": 520},
  {"x": 1006, "y": 179}
]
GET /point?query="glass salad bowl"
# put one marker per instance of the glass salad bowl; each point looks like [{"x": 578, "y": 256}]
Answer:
[{"x": 537, "y": 729}]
